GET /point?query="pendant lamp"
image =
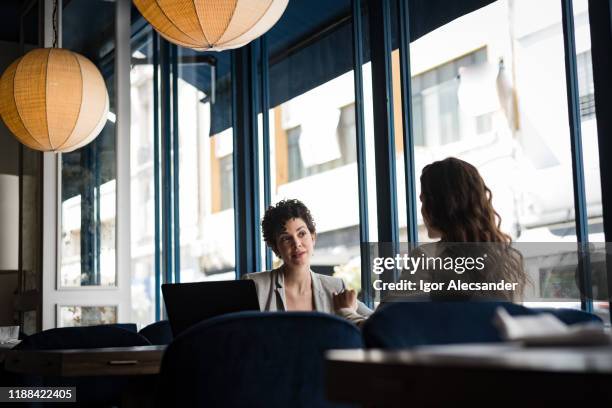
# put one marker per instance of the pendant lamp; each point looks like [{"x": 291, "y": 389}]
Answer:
[
  {"x": 211, "y": 25},
  {"x": 52, "y": 99}
]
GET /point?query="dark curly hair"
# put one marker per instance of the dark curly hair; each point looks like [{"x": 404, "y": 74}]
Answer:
[{"x": 273, "y": 223}]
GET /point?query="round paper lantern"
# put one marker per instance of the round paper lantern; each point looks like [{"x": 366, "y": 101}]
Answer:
[
  {"x": 53, "y": 99},
  {"x": 211, "y": 25}
]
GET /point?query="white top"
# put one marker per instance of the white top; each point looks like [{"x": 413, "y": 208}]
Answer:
[{"x": 271, "y": 294}]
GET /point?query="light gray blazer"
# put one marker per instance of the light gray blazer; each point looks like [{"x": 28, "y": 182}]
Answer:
[{"x": 271, "y": 293}]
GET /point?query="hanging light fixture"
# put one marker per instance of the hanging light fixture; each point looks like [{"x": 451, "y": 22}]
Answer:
[
  {"x": 211, "y": 25},
  {"x": 52, "y": 99}
]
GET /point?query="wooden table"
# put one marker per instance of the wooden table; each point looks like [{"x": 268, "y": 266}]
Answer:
[
  {"x": 139, "y": 360},
  {"x": 5, "y": 348},
  {"x": 500, "y": 374}
]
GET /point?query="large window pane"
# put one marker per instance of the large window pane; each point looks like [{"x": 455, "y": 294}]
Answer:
[
  {"x": 586, "y": 93},
  {"x": 206, "y": 187},
  {"x": 88, "y": 193},
  {"x": 314, "y": 150},
  {"x": 490, "y": 88},
  {"x": 142, "y": 180}
]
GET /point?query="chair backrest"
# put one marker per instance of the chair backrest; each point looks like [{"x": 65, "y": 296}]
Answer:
[
  {"x": 570, "y": 316},
  {"x": 254, "y": 359},
  {"x": 127, "y": 326},
  {"x": 158, "y": 333},
  {"x": 408, "y": 324},
  {"x": 82, "y": 337},
  {"x": 95, "y": 390}
]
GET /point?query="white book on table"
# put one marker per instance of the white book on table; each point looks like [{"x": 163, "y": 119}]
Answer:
[{"x": 546, "y": 329}]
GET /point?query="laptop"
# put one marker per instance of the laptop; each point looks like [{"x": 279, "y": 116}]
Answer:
[{"x": 190, "y": 303}]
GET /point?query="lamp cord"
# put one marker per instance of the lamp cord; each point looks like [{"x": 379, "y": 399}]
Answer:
[{"x": 55, "y": 24}]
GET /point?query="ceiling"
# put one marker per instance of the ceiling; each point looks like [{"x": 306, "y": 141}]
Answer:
[
  {"x": 304, "y": 17},
  {"x": 10, "y": 10}
]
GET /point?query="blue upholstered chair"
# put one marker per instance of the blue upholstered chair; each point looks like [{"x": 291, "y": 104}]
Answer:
[
  {"x": 99, "y": 391},
  {"x": 126, "y": 326},
  {"x": 408, "y": 324},
  {"x": 158, "y": 333},
  {"x": 254, "y": 359},
  {"x": 570, "y": 316}
]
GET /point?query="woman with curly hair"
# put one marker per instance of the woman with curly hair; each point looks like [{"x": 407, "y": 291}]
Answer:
[{"x": 289, "y": 230}]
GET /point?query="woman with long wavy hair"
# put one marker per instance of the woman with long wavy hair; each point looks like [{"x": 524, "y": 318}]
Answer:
[{"x": 457, "y": 208}]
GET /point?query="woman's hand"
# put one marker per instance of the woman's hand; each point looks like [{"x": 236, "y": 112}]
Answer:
[{"x": 347, "y": 299}]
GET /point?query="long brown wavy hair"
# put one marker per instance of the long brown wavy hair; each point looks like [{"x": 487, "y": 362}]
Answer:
[{"x": 457, "y": 203}]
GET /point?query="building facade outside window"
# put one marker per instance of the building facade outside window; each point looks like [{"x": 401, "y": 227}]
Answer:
[
  {"x": 586, "y": 89},
  {"x": 226, "y": 169},
  {"x": 344, "y": 143}
]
